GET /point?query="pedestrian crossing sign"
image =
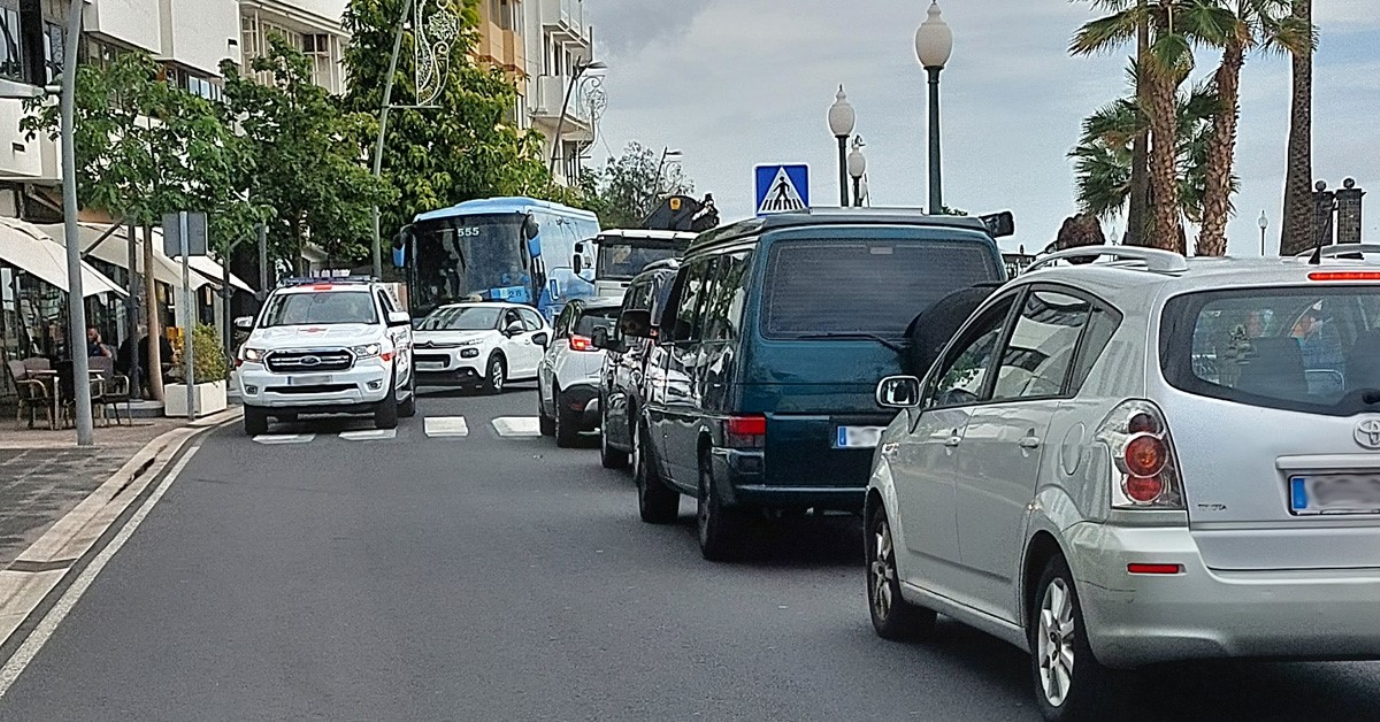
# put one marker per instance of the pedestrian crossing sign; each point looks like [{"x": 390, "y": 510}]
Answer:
[{"x": 782, "y": 188}]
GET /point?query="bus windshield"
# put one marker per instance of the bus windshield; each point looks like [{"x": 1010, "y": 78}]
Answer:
[
  {"x": 622, "y": 261},
  {"x": 465, "y": 257}
]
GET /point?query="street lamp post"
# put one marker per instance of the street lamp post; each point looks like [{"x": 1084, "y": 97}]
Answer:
[
  {"x": 666, "y": 152},
  {"x": 934, "y": 43},
  {"x": 857, "y": 168},
  {"x": 76, "y": 310},
  {"x": 580, "y": 69},
  {"x": 1264, "y": 224},
  {"x": 842, "y": 119}
]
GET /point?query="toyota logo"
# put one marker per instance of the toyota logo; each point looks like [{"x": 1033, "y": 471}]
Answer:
[
  {"x": 316, "y": 361},
  {"x": 1368, "y": 433}
]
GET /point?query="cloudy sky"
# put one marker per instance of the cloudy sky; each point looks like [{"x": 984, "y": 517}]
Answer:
[{"x": 735, "y": 83}]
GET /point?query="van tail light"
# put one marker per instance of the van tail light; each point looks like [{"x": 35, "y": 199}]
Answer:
[
  {"x": 1145, "y": 473},
  {"x": 581, "y": 343},
  {"x": 746, "y": 432}
]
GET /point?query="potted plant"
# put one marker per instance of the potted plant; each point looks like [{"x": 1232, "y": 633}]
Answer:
[{"x": 210, "y": 369}]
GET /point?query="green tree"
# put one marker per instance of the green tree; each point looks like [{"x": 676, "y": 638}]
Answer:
[
  {"x": 1297, "y": 229},
  {"x": 631, "y": 186},
  {"x": 467, "y": 146},
  {"x": 305, "y": 158},
  {"x": 1165, "y": 66},
  {"x": 1236, "y": 27}
]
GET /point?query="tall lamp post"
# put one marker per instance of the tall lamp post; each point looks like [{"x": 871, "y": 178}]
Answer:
[
  {"x": 76, "y": 309},
  {"x": 1264, "y": 224},
  {"x": 580, "y": 69},
  {"x": 934, "y": 43},
  {"x": 842, "y": 119},
  {"x": 666, "y": 153},
  {"x": 857, "y": 168}
]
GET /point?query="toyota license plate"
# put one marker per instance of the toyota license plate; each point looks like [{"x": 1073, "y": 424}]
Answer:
[
  {"x": 309, "y": 380},
  {"x": 858, "y": 437},
  {"x": 1334, "y": 494}
]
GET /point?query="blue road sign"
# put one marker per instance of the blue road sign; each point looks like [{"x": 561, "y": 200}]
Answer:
[{"x": 782, "y": 188}]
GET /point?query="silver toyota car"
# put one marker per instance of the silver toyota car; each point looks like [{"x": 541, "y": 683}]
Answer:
[{"x": 1142, "y": 460}]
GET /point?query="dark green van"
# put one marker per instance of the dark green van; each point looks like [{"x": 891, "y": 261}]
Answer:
[{"x": 773, "y": 340}]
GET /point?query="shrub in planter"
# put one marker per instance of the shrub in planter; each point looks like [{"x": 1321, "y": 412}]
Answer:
[{"x": 208, "y": 358}]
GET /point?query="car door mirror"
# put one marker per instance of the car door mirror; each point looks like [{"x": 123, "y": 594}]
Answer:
[
  {"x": 399, "y": 318},
  {"x": 899, "y": 392},
  {"x": 602, "y": 339},
  {"x": 635, "y": 324},
  {"x": 245, "y": 323},
  {"x": 541, "y": 339},
  {"x": 512, "y": 329}
]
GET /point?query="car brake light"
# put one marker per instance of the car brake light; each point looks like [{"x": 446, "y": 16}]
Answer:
[
  {"x": 581, "y": 343},
  {"x": 1344, "y": 276},
  {"x": 1145, "y": 472},
  {"x": 386, "y": 356},
  {"x": 746, "y": 431},
  {"x": 1153, "y": 568}
]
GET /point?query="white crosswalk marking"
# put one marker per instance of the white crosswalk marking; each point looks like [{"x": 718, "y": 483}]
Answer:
[
  {"x": 446, "y": 426},
  {"x": 274, "y": 439},
  {"x": 369, "y": 435},
  {"x": 517, "y": 426}
]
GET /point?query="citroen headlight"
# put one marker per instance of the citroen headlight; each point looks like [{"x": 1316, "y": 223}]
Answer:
[
  {"x": 367, "y": 350},
  {"x": 254, "y": 355}
]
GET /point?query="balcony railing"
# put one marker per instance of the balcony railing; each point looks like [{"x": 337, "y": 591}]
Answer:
[
  {"x": 565, "y": 19},
  {"x": 551, "y": 91}
]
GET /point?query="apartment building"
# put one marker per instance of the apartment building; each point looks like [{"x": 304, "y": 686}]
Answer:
[
  {"x": 311, "y": 25},
  {"x": 559, "y": 41}
]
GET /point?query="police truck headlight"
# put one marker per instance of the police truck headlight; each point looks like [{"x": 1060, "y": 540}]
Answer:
[
  {"x": 367, "y": 350},
  {"x": 254, "y": 355}
]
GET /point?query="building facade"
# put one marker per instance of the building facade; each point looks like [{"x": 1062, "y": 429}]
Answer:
[{"x": 559, "y": 41}]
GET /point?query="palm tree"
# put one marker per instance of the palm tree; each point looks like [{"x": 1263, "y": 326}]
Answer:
[
  {"x": 1235, "y": 26},
  {"x": 1161, "y": 71},
  {"x": 1104, "y": 156},
  {"x": 1297, "y": 233}
]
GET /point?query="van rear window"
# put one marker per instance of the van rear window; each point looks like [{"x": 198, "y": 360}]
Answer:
[
  {"x": 1307, "y": 349},
  {"x": 869, "y": 287}
]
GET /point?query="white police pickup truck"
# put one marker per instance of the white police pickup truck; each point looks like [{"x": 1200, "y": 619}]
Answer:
[{"x": 327, "y": 346}]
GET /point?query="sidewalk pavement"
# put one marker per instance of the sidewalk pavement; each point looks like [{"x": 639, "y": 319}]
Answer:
[{"x": 44, "y": 474}]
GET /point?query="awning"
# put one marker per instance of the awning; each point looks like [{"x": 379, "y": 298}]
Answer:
[
  {"x": 212, "y": 270},
  {"x": 28, "y": 248},
  {"x": 114, "y": 250}
]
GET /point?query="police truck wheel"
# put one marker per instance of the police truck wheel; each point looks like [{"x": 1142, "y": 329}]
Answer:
[
  {"x": 408, "y": 408},
  {"x": 255, "y": 421},
  {"x": 386, "y": 414}
]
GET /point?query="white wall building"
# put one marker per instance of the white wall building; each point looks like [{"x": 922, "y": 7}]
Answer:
[
  {"x": 558, "y": 40},
  {"x": 311, "y": 25}
]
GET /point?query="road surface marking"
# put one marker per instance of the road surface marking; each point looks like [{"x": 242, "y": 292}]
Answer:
[
  {"x": 272, "y": 439},
  {"x": 446, "y": 426},
  {"x": 517, "y": 426},
  {"x": 39, "y": 636},
  {"x": 369, "y": 435}
]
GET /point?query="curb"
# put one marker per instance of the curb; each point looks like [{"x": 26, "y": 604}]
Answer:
[{"x": 28, "y": 582}]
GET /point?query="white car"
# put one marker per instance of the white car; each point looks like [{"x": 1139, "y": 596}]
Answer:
[
  {"x": 1150, "y": 460},
  {"x": 482, "y": 343},
  {"x": 568, "y": 381},
  {"x": 327, "y": 346}
]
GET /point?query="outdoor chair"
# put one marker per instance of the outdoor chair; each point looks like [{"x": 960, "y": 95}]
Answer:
[
  {"x": 67, "y": 392},
  {"x": 33, "y": 395},
  {"x": 116, "y": 387}
]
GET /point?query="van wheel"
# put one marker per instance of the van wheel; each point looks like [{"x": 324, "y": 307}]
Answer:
[
  {"x": 656, "y": 502},
  {"x": 496, "y": 377},
  {"x": 719, "y": 527},
  {"x": 892, "y": 616},
  {"x": 1070, "y": 684},
  {"x": 386, "y": 413},
  {"x": 255, "y": 421}
]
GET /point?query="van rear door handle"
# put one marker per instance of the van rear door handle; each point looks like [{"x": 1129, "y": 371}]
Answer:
[{"x": 953, "y": 441}]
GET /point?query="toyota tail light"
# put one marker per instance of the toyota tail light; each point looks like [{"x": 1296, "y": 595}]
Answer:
[
  {"x": 745, "y": 432},
  {"x": 1145, "y": 472}
]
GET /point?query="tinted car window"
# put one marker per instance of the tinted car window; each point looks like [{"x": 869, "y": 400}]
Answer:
[
  {"x": 1039, "y": 354},
  {"x": 531, "y": 320},
  {"x": 595, "y": 318},
  {"x": 723, "y": 313},
  {"x": 688, "y": 297},
  {"x": 874, "y": 287},
  {"x": 464, "y": 318},
  {"x": 962, "y": 377},
  {"x": 1306, "y": 349}
]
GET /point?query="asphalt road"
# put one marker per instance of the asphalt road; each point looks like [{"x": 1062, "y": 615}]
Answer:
[{"x": 499, "y": 578}]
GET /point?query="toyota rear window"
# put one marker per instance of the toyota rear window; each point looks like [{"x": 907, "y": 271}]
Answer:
[
  {"x": 818, "y": 288},
  {"x": 1307, "y": 349}
]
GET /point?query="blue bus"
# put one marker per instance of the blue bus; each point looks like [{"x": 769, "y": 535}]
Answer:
[{"x": 519, "y": 250}]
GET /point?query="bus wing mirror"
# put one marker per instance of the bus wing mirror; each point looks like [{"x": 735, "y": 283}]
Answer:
[
  {"x": 530, "y": 227},
  {"x": 578, "y": 263}
]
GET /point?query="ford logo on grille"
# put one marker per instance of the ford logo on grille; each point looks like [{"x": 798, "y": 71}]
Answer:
[{"x": 310, "y": 361}]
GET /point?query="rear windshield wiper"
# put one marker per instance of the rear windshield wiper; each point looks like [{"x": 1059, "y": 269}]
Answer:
[{"x": 856, "y": 336}]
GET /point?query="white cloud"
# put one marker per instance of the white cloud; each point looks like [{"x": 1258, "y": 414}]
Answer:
[{"x": 734, "y": 83}]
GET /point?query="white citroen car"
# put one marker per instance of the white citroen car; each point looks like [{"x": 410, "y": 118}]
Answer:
[
  {"x": 484, "y": 344},
  {"x": 1148, "y": 460}
]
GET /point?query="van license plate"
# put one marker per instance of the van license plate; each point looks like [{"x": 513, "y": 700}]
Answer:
[
  {"x": 1334, "y": 494},
  {"x": 309, "y": 380},
  {"x": 858, "y": 437}
]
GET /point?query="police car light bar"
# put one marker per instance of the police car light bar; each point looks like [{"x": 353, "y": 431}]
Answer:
[{"x": 328, "y": 280}]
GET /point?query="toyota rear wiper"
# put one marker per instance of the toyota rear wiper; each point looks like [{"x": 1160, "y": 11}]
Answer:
[{"x": 859, "y": 336}]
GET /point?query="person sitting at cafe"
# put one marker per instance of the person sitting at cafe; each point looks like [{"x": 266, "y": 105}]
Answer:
[{"x": 94, "y": 346}]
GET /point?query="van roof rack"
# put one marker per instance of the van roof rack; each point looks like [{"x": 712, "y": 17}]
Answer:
[
  {"x": 1155, "y": 260},
  {"x": 1340, "y": 249}
]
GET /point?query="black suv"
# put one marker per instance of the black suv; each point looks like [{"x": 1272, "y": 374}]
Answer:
[{"x": 621, "y": 384}]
